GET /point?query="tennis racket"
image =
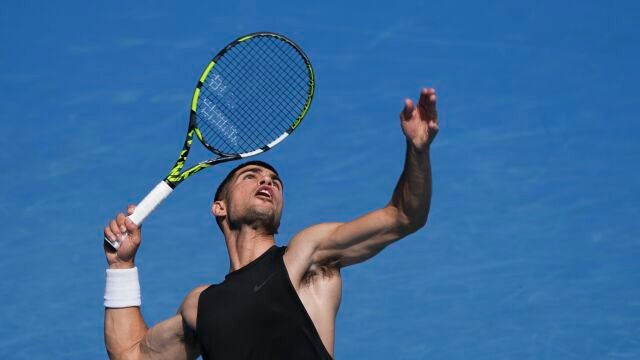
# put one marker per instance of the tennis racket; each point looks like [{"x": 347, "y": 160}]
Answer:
[{"x": 250, "y": 97}]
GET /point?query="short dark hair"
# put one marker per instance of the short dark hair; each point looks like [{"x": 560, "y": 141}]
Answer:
[{"x": 222, "y": 188}]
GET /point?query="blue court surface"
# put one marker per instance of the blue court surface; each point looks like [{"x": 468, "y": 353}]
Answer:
[{"x": 532, "y": 247}]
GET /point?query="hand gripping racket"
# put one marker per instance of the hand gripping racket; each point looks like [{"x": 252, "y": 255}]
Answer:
[{"x": 250, "y": 97}]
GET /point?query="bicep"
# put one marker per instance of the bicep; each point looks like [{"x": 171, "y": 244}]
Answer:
[
  {"x": 175, "y": 338},
  {"x": 165, "y": 340}
]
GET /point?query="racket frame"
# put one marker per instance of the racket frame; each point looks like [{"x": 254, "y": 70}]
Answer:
[{"x": 165, "y": 187}]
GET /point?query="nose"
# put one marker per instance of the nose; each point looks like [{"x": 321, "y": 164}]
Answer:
[{"x": 266, "y": 180}]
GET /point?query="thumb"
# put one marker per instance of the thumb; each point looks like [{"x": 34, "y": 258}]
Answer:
[
  {"x": 132, "y": 227},
  {"x": 407, "y": 111},
  {"x": 134, "y": 231}
]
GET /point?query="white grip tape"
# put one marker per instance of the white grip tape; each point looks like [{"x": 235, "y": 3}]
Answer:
[
  {"x": 146, "y": 206},
  {"x": 150, "y": 202}
]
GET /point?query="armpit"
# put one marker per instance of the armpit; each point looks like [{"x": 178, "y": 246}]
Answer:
[{"x": 320, "y": 273}]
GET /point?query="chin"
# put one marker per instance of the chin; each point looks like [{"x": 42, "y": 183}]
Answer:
[
  {"x": 269, "y": 223},
  {"x": 265, "y": 219}
]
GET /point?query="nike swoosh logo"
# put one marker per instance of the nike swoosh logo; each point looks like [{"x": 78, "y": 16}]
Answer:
[{"x": 257, "y": 288}]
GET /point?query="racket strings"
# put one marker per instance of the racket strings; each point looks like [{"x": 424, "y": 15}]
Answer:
[
  {"x": 253, "y": 95},
  {"x": 285, "y": 99},
  {"x": 269, "y": 81},
  {"x": 301, "y": 96}
]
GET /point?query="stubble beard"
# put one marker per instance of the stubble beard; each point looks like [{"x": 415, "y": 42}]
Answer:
[{"x": 257, "y": 218}]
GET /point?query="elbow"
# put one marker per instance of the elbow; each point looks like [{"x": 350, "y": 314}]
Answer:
[
  {"x": 417, "y": 223},
  {"x": 408, "y": 224}
]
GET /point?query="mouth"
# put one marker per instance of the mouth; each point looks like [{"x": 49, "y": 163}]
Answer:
[{"x": 265, "y": 193}]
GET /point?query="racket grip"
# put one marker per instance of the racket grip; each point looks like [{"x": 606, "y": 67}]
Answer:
[
  {"x": 150, "y": 202},
  {"x": 144, "y": 208}
]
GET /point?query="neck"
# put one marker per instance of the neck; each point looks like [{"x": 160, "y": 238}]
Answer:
[{"x": 245, "y": 245}]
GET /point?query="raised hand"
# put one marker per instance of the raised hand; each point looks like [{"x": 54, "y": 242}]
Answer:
[
  {"x": 122, "y": 228},
  {"x": 420, "y": 123}
]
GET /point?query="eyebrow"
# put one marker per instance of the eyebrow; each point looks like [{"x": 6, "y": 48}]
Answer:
[{"x": 259, "y": 170}]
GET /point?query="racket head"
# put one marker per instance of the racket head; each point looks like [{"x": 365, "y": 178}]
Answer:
[{"x": 252, "y": 95}]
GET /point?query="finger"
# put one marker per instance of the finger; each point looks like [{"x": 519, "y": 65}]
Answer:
[
  {"x": 121, "y": 220},
  {"x": 432, "y": 98},
  {"x": 430, "y": 105},
  {"x": 109, "y": 234},
  {"x": 408, "y": 109},
  {"x": 425, "y": 93},
  {"x": 115, "y": 228},
  {"x": 427, "y": 97},
  {"x": 130, "y": 209}
]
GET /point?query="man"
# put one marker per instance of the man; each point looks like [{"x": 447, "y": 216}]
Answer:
[{"x": 276, "y": 302}]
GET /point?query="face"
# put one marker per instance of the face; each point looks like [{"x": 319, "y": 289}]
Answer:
[{"x": 254, "y": 197}]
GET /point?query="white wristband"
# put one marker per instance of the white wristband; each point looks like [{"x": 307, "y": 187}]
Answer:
[{"x": 122, "y": 288}]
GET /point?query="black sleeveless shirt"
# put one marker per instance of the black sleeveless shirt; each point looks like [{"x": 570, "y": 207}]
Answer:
[{"x": 255, "y": 313}]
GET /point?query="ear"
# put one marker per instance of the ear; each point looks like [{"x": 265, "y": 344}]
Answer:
[{"x": 218, "y": 208}]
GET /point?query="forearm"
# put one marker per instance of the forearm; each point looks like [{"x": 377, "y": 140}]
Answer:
[
  {"x": 124, "y": 329},
  {"x": 412, "y": 194},
  {"x": 124, "y": 326}
]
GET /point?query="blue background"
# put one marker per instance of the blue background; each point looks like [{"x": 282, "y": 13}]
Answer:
[{"x": 531, "y": 250}]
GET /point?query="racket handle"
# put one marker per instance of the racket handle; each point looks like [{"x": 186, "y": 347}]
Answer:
[
  {"x": 144, "y": 208},
  {"x": 150, "y": 202}
]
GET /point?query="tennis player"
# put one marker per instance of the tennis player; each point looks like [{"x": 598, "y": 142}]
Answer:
[{"x": 276, "y": 302}]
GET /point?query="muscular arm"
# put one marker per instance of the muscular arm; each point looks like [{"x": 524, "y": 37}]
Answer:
[
  {"x": 125, "y": 333},
  {"x": 127, "y": 336},
  {"x": 124, "y": 329},
  {"x": 343, "y": 244},
  {"x": 407, "y": 211}
]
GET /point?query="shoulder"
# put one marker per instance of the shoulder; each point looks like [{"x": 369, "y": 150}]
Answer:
[
  {"x": 189, "y": 308},
  {"x": 307, "y": 241},
  {"x": 300, "y": 256}
]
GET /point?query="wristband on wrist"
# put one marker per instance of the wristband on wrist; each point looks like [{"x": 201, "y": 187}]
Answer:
[{"x": 122, "y": 288}]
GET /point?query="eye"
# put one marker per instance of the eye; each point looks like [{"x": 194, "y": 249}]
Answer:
[{"x": 249, "y": 176}]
